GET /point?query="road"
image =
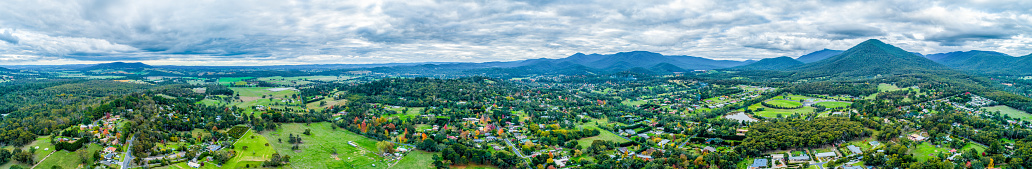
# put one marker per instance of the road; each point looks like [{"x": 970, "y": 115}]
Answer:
[
  {"x": 518, "y": 153},
  {"x": 44, "y": 159},
  {"x": 128, "y": 153}
]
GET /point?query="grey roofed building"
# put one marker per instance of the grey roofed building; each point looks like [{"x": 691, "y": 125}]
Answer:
[
  {"x": 851, "y": 167},
  {"x": 803, "y": 157},
  {"x": 854, "y": 149},
  {"x": 826, "y": 154},
  {"x": 874, "y": 143},
  {"x": 759, "y": 163}
]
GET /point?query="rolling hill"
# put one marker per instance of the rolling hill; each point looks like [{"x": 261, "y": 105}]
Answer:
[
  {"x": 869, "y": 58},
  {"x": 778, "y": 63},
  {"x": 979, "y": 61},
  {"x": 818, "y": 55}
]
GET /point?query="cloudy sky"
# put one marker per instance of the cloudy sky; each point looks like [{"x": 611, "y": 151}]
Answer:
[{"x": 277, "y": 32}]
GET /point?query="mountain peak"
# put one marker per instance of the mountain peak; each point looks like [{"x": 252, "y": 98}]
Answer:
[{"x": 872, "y": 57}]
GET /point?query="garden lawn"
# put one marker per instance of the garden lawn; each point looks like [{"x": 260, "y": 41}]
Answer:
[
  {"x": 316, "y": 149},
  {"x": 1013, "y": 113}
]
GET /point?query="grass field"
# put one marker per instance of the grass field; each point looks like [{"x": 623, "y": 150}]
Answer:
[
  {"x": 317, "y": 148},
  {"x": 633, "y": 103},
  {"x": 66, "y": 159},
  {"x": 412, "y": 112},
  {"x": 883, "y": 87},
  {"x": 416, "y": 159},
  {"x": 834, "y": 104},
  {"x": 258, "y": 151},
  {"x": 927, "y": 150},
  {"x": 773, "y": 113},
  {"x": 784, "y": 103},
  {"x": 230, "y": 80},
  {"x": 603, "y": 135},
  {"x": 1014, "y": 113}
]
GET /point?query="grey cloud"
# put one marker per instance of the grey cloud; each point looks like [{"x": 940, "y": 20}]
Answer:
[
  {"x": 323, "y": 31},
  {"x": 8, "y": 37}
]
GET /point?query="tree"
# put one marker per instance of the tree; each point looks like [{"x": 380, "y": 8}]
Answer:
[{"x": 385, "y": 146}]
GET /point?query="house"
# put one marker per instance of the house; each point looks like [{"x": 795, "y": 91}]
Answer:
[
  {"x": 663, "y": 142},
  {"x": 803, "y": 157},
  {"x": 644, "y": 157},
  {"x": 776, "y": 157},
  {"x": 214, "y": 147},
  {"x": 854, "y": 149},
  {"x": 917, "y": 137},
  {"x": 826, "y": 155},
  {"x": 561, "y": 162},
  {"x": 874, "y": 143},
  {"x": 847, "y": 166},
  {"x": 709, "y": 149},
  {"x": 759, "y": 163}
]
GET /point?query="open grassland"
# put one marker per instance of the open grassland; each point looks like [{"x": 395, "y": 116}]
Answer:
[
  {"x": 1013, "y": 113},
  {"x": 316, "y": 150}
]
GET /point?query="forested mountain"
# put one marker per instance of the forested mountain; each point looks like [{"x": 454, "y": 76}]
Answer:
[
  {"x": 627, "y": 60},
  {"x": 981, "y": 61},
  {"x": 4, "y": 69},
  {"x": 818, "y": 55},
  {"x": 778, "y": 63},
  {"x": 872, "y": 57},
  {"x": 119, "y": 65},
  {"x": 1021, "y": 66}
]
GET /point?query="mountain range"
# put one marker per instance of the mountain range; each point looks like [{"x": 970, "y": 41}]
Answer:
[
  {"x": 778, "y": 63},
  {"x": 818, "y": 55},
  {"x": 119, "y": 65}
]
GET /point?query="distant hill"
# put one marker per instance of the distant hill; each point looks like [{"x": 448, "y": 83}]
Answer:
[
  {"x": 627, "y": 60},
  {"x": 119, "y": 65},
  {"x": 872, "y": 57},
  {"x": 778, "y": 63},
  {"x": 818, "y": 55},
  {"x": 1021, "y": 66},
  {"x": 4, "y": 69},
  {"x": 981, "y": 61}
]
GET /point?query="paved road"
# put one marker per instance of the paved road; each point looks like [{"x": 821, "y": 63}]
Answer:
[
  {"x": 820, "y": 165},
  {"x": 128, "y": 153},
  {"x": 518, "y": 153}
]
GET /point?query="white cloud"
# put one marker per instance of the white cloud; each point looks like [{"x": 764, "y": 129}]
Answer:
[{"x": 378, "y": 31}]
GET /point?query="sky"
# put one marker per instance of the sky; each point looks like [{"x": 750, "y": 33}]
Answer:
[{"x": 287, "y": 32}]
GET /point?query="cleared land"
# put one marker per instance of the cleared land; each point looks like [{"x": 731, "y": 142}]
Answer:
[
  {"x": 1014, "y": 113},
  {"x": 258, "y": 150}
]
